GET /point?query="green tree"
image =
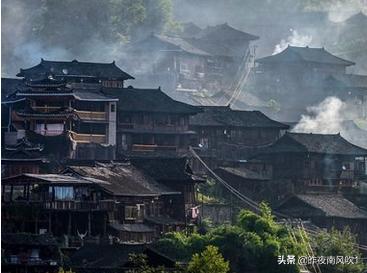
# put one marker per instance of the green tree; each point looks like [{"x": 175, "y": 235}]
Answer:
[
  {"x": 210, "y": 260},
  {"x": 338, "y": 243}
]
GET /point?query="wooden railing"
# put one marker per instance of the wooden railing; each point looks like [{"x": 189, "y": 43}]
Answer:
[
  {"x": 91, "y": 115},
  {"x": 152, "y": 148},
  {"x": 80, "y": 205},
  {"x": 105, "y": 205},
  {"x": 46, "y": 109},
  {"x": 88, "y": 138}
]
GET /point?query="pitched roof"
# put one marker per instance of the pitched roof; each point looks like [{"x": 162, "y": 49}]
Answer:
[
  {"x": 182, "y": 44},
  {"x": 74, "y": 68},
  {"x": 123, "y": 179},
  {"x": 225, "y": 116},
  {"x": 243, "y": 173},
  {"x": 294, "y": 54},
  {"x": 58, "y": 179},
  {"x": 332, "y": 205},
  {"x": 190, "y": 29},
  {"x": 224, "y": 32},
  {"x": 148, "y": 100},
  {"x": 165, "y": 168},
  {"x": 220, "y": 40},
  {"x": 315, "y": 143}
]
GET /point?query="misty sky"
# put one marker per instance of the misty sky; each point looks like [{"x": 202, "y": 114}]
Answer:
[{"x": 277, "y": 22}]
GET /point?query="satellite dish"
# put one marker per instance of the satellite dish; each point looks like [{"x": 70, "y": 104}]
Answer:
[{"x": 65, "y": 71}]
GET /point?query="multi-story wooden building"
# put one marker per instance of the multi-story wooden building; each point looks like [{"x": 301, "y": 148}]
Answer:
[
  {"x": 309, "y": 163},
  {"x": 226, "y": 135},
  {"x": 50, "y": 112},
  {"x": 299, "y": 77},
  {"x": 199, "y": 59},
  {"x": 106, "y": 74},
  {"x": 150, "y": 123},
  {"x": 91, "y": 203}
]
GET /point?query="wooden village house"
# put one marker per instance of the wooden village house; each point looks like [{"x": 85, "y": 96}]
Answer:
[
  {"x": 314, "y": 163},
  {"x": 150, "y": 123},
  {"x": 305, "y": 76},
  {"x": 50, "y": 113},
  {"x": 226, "y": 136},
  {"x": 197, "y": 60},
  {"x": 117, "y": 200}
]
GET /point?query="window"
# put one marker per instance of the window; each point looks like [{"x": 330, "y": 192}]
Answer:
[
  {"x": 131, "y": 212},
  {"x": 63, "y": 193},
  {"x": 113, "y": 108}
]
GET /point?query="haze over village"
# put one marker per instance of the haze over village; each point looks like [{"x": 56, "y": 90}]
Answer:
[{"x": 155, "y": 136}]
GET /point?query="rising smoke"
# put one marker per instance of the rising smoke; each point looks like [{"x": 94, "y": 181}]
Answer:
[
  {"x": 295, "y": 39},
  {"x": 332, "y": 116}
]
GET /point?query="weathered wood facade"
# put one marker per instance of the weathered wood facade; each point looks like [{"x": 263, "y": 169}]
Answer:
[
  {"x": 51, "y": 111},
  {"x": 206, "y": 59},
  {"x": 150, "y": 123},
  {"x": 315, "y": 163},
  {"x": 226, "y": 136}
]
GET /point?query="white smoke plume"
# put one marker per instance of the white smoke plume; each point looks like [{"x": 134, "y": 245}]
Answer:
[
  {"x": 325, "y": 118},
  {"x": 295, "y": 39},
  {"x": 333, "y": 116}
]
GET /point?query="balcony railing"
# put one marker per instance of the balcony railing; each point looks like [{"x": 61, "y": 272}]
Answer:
[
  {"x": 104, "y": 205},
  {"x": 46, "y": 109},
  {"x": 91, "y": 115},
  {"x": 80, "y": 205},
  {"x": 88, "y": 138},
  {"x": 152, "y": 148}
]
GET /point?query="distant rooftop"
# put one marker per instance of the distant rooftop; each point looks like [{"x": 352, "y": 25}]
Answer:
[
  {"x": 315, "y": 143},
  {"x": 74, "y": 68},
  {"x": 148, "y": 100},
  {"x": 294, "y": 54},
  {"x": 225, "y": 116}
]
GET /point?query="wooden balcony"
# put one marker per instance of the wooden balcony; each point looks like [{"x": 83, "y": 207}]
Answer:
[
  {"x": 91, "y": 115},
  {"x": 80, "y": 205},
  {"x": 88, "y": 138},
  {"x": 46, "y": 109},
  {"x": 76, "y": 205}
]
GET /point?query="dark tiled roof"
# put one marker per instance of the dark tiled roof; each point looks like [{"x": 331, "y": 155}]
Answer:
[
  {"x": 315, "y": 143},
  {"x": 225, "y": 116},
  {"x": 182, "y": 44},
  {"x": 28, "y": 239},
  {"x": 165, "y": 168},
  {"x": 74, "y": 68},
  {"x": 66, "y": 179},
  {"x": 104, "y": 256},
  {"x": 224, "y": 32},
  {"x": 332, "y": 205},
  {"x": 220, "y": 40},
  {"x": 148, "y": 100},
  {"x": 190, "y": 29},
  {"x": 243, "y": 173},
  {"x": 91, "y": 95},
  {"x": 294, "y": 54},
  {"x": 123, "y": 179}
]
